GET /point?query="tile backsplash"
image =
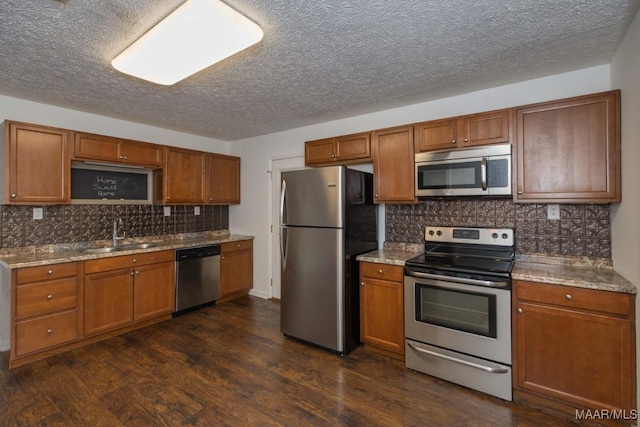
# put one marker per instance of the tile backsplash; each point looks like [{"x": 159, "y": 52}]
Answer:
[
  {"x": 85, "y": 223},
  {"x": 581, "y": 231}
]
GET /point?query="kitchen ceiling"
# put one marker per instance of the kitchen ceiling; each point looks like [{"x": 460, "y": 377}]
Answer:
[{"x": 319, "y": 60}]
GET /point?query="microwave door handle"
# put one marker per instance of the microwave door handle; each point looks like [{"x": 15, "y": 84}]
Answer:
[{"x": 483, "y": 173}]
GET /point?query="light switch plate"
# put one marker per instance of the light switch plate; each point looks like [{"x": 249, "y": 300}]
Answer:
[
  {"x": 167, "y": 211},
  {"x": 38, "y": 213},
  {"x": 553, "y": 211},
  {"x": 196, "y": 210}
]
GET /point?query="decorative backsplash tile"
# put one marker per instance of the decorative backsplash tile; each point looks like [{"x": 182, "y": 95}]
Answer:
[
  {"x": 85, "y": 223},
  {"x": 582, "y": 230}
]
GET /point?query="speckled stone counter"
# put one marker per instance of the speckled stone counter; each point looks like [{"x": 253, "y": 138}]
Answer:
[
  {"x": 54, "y": 254},
  {"x": 393, "y": 253}
]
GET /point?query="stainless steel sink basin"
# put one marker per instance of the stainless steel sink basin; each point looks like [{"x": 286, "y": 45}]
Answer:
[
  {"x": 104, "y": 250},
  {"x": 134, "y": 246}
]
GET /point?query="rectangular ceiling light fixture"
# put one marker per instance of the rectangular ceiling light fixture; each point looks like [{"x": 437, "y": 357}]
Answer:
[{"x": 196, "y": 35}]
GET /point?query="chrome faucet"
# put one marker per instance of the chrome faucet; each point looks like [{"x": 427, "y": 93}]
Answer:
[{"x": 117, "y": 224}]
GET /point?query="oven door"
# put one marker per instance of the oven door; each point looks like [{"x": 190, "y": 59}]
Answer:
[{"x": 461, "y": 317}]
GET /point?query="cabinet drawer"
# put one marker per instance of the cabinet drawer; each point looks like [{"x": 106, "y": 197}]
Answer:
[
  {"x": 236, "y": 246},
  {"x": 382, "y": 271},
  {"x": 46, "y": 272},
  {"x": 46, "y": 297},
  {"x": 568, "y": 296},
  {"x": 125, "y": 261},
  {"x": 43, "y": 332}
]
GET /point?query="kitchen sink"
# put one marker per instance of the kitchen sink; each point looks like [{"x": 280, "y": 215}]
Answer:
[
  {"x": 103, "y": 250},
  {"x": 108, "y": 249}
]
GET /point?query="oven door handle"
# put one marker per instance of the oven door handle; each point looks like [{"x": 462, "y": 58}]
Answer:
[
  {"x": 460, "y": 361},
  {"x": 486, "y": 283}
]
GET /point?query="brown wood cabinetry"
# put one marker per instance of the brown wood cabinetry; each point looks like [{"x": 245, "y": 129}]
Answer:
[
  {"x": 569, "y": 150},
  {"x": 345, "y": 149},
  {"x": 224, "y": 179},
  {"x": 236, "y": 269},
  {"x": 393, "y": 165},
  {"x": 575, "y": 346},
  {"x": 382, "y": 306},
  {"x": 183, "y": 178},
  {"x": 119, "y": 291},
  {"x": 36, "y": 164},
  {"x": 44, "y": 309},
  {"x": 492, "y": 127},
  {"x": 88, "y": 146}
]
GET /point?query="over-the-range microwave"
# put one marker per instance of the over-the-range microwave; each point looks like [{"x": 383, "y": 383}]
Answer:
[{"x": 482, "y": 171}]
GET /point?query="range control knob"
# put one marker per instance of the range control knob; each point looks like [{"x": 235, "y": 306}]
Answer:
[
  {"x": 505, "y": 236},
  {"x": 439, "y": 233},
  {"x": 494, "y": 235},
  {"x": 430, "y": 232}
]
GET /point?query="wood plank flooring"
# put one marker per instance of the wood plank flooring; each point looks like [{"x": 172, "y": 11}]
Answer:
[{"x": 229, "y": 365}]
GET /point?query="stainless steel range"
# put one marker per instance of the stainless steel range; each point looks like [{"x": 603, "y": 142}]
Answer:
[{"x": 458, "y": 308}]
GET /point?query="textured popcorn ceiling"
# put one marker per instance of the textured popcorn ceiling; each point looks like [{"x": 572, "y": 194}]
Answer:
[{"x": 318, "y": 61}]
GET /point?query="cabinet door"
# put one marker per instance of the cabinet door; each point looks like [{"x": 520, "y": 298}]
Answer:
[
  {"x": 354, "y": 147},
  {"x": 236, "y": 268},
  {"x": 436, "y": 135},
  {"x": 108, "y": 300},
  {"x": 577, "y": 357},
  {"x": 393, "y": 165},
  {"x": 96, "y": 147},
  {"x": 224, "y": 179},
  {"x": 37, "y": 165},
  {"x": 485, "y": 128},
  {"x": 569, "y": 150},
  {"x": 153, "y": 291},
  {"x": 184, "y": 176},
  {"x": 320, "y": 151},
  {"x": 382, "y": 314},
  {"x": 141, "y": 153}
]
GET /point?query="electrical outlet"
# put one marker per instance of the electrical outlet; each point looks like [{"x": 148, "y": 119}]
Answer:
[
  {"x": 196, "y": 210},
  {"x": 553, "y": 211},
  {"x": 167, "y": 211},
  {"x": 38, "y": 213}
]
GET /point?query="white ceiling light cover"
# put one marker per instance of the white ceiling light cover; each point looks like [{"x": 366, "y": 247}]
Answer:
[{"x": 196, "y": 35}]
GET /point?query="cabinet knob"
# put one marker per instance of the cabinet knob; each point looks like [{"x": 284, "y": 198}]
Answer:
[
  {"x": 361, "y": 283},
  {"x": 376, "y": 195},
  {"x": 223, "y": 258},
  {"x": 125, "y": 157},
  {"x": 568, "y": 297},
  {"x": 137, "y": 272},
  {"x": 379, "y": 271},
  {"x": 453, "y": 141},
  {"x": 50, "y": 272},
  {"x": 466, "y": 140},
  {"x": 135, "y": 260},
  {"x": 238, "y": 244},
  {"x": 13, "y": 195},
  {"x": 120, "y": 157},
  {"x": 520, "y": 192},
  {"x": 132, "y": 273},
  {"x": 49, "y": 331},
  {"x": 519, "y": 311},
  {"x": 49, "y": 297}
]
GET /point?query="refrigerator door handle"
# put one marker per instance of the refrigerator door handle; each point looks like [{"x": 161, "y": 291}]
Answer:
[
  {"x": 283, "y": 193},
  {"x": 283, "y": 243}
]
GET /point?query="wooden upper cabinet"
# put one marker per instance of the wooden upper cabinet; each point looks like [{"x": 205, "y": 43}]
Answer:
[
  {"x": 88, "y": 146},
  {"x": 182, "y": 179},
  {"x": 492, "y": 127},
  {"x": 393, "y": 165},
  {"x": 569, "y": 150},
  {"x": 224, "y": 179},
  {"x": 355, "y": 148},
  {"x": 36, "y": 164}
]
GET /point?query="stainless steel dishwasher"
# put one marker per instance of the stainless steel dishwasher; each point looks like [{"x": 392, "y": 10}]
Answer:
[{"x": 197, "y": 277}]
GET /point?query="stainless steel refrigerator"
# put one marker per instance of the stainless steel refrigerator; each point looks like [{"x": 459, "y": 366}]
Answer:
[{"x": 327, "y": 219}]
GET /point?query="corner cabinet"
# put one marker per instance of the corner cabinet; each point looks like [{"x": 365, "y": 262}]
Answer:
[
  {"x": 36, "y": 164},
  {"x": 382, "y": 307},
  {"x": 393, "y": 165},
  {"x": 236, "y": 269},
  {"x": 355, "y": 148},
  {"x": 183, "y": 178},
  {"x": 569, "y": 150},
  {"x": 574, "y": 346},
  {"x": 224, "y": 179}
]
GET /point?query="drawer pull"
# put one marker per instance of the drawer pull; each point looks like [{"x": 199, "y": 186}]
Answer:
[
  {"x": 379, "y": 271},
  {"x": 238, "y": 245},
  {"x": 49, "y": 297},
  {"x": 135, "y": 260},
  {"x": 568, "y": 297},
  {"x": 49, "y": 331},
  {"x": 50, "y": 272}
]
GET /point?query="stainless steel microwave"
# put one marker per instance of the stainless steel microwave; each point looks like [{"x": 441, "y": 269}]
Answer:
[{"x": 482, "y": 171}]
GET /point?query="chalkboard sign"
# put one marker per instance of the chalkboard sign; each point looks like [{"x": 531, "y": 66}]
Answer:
[{"x": 93, "y": 184}]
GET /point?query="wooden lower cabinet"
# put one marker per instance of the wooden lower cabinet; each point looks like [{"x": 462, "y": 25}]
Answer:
[
  {"x": 108, "y": 301},
  {"x": 382, "y": 306},
  {"x": 236, "y": 269},
  {"x": 574, "y": 346},
  {"x": 153, "y": 291}
]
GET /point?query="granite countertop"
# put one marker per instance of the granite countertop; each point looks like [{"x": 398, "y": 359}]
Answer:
[
  {"x": 581, "y": 273},
  {"x": 54, "y": 254}
]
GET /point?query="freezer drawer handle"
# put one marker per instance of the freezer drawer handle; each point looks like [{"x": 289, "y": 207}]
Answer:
[{"x": 460, "y": 361}]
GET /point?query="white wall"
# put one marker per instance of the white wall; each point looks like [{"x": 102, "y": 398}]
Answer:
[
  {"x": 43, "y": 114},
  {"x": 625, "y": 229},
  {"x": 253, "y": 215}
]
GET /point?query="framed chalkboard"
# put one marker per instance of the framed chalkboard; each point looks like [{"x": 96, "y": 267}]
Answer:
[{"x": 108, "y": 183}]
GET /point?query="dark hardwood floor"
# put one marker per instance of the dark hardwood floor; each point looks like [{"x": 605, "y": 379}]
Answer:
[{"x": 230, "y": 365}]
